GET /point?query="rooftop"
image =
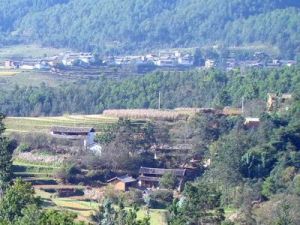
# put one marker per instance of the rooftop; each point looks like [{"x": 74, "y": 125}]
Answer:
[
  {"x": 160, "y": 171},
  {"x": 72, "y": 129},
  {"x": 124, "y": 179}
]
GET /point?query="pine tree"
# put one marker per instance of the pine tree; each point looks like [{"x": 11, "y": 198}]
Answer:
[{"x": 6, "y": 150}]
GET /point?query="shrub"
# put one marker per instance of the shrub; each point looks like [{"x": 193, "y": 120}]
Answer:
[
  {"x": 68, "y": 173},
  {"x": 134, "y": 197},
  {"x": 23, "y": 148},
  {"x": 168, "y": 181},
  {"x": 160, "y": 199}
]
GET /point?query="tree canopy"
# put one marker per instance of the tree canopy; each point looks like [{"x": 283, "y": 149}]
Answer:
[{"x": 131, "y": 25}]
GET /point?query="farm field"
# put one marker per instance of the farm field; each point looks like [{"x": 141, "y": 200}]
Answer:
[
  {"x": 83, "y": 208},
  {"x": 10, "y": 78},
  {"x": 7, "y": 73},
  {"x": 43, "y": 124}
]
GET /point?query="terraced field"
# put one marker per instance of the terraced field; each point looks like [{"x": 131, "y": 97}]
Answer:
[
  {"x": 41, "y": 177},
  {"x": 43, "y": 124}
]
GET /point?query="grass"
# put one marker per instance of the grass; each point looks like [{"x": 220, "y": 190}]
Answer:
[
  {"x": 28, "y": 51},
  {"x": 43, "y": 124},
  {"x": 32, "y": 78}
]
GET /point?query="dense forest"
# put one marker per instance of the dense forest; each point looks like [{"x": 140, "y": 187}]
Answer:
[
  {"x": 131, "y": 25},
  {"x": 211, "y": 88}
]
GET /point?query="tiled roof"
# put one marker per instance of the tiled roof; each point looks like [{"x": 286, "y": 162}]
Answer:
[
  {"x": 72, "y": 129},
  {"x": 124, "y": 179},
  {"x": 159, "y": 171}
]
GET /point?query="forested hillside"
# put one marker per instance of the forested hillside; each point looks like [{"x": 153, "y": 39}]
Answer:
[
  {"x": 178, "y": 89},
  {"x": 137, "y": 25}
]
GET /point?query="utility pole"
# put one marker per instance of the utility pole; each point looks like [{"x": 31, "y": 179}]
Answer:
[
  {"x": 243, "y": 99},
  {"x": 159, "y": 100}
]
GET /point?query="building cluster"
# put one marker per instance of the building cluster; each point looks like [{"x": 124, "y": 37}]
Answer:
[
  {"x": 150, "y": 178},
  {"x": 162, "y": 59},
  {"x": 48, "y": 63},
  {"x": 177, "y": 59},
  {"x": 271, "y": 64},
  {"x": 279, "y": 102}
]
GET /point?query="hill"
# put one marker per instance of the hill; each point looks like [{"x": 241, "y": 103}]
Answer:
[{"x": 131, "y": 25}]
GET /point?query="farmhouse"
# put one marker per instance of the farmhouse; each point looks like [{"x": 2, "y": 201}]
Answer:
[
  {"x": 122, "y": 183},
  {"x": 170, "y": 151},
  {"x": 9, "y": 64},
  {"x": 150, "y": 177},
  {"x": 75, "y": 133},
  {"x": 278, "y": 102},
  {"x": 209, "y": 64},
  {"x": 251, "y": 122}
]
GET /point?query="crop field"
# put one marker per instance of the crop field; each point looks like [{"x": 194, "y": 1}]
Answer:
[
  {"x": 42, "y": 179},
  {"x": 4, "y": 73},
  {"x": 43, "y": 124}
]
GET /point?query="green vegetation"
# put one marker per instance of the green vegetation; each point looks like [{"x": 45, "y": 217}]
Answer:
[
  {"x": 6, "y": 151},
  {"x": 196, "y": 88},
  {"x": 131, "y": 25},
  {"x": 28, "y": 51},
  {"x": 44, "y": 124}
]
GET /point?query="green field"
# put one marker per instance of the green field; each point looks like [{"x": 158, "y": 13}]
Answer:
[
  {"x": 28, "y": 51},
  {"x": 43, "y": 124},
  {"x": 9, "y": 79}
]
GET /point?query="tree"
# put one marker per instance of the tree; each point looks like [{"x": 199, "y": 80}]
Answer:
[
  {"x": 107, "y": 215},
  {"x": 16, "y": 198},
  {"x": 283, "y": 215},
  {"x": 200, "y": 204},
  {"x": 6, "y": 151},
  {"x": 31, "y": 215},
  {"x": 168, "y": 181},
  {"x": 54, "y": 217}
]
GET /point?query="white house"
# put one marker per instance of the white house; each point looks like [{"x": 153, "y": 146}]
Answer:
[{"x": 75, "y": 133}]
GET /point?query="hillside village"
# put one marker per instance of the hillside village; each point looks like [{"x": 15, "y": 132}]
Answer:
[
  {"x": 164, "y": 59},
  {"x": 147, "y": 179},
  {"x": 147, "y": 112}
]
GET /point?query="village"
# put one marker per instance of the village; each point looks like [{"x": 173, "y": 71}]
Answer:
[
  {"x": 148, "y": 179},
  {"x": 166, "y": 60}
]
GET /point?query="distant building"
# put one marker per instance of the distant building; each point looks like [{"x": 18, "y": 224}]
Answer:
[
  {"x": 210, "y": 63},
  {"x": 278, "y": 102},
  {"x": 9, "y": 64},
  {"x": 75, "y": 133},
  {"x": 252, "y": 122},
  {"x": 166, "y": 62},
  {"x": 150, "y": 177},
  {"x": 186, "y": 60},
  {"x": 288, "y": 63},
  {"x": 122, "y": 183},
  {"x": 170, "y": 151}
]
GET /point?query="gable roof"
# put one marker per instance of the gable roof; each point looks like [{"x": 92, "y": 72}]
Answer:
[
  {"x": 160, "y": 171},
  {"x": 74, "y": 130},
  {"x": 124, "y": 179}
]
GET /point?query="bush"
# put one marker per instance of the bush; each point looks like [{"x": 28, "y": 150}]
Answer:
[
  {"x": 168, "y": 181},
  {"x": 23, "y": 148},
  {"x": 160, "y": 199},
  {"x": 69, "y": 173},
  {"x": 134, "y": 197}
]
